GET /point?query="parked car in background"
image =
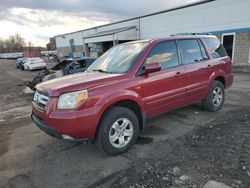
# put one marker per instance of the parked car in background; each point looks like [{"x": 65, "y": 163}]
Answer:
[
  {"x": 34, "y": 63},
  {"x": 18, "y": 62},
  {"x": 73, "y": 66},
  {"x": 65, "y": 67},
  {"x": 130, "y": 83}
]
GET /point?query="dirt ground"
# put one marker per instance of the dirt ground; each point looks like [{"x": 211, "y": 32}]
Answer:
[{"x": 188, "y": 147}]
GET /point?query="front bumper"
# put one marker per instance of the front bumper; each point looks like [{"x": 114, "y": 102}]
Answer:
[
  {"x": 52, "y": 132},
  {"x": 47, "y": 129},
  {"x": 76, "y": 125}
]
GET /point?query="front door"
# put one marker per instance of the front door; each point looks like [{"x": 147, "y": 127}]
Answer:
[{"x": 163, "y": 90}]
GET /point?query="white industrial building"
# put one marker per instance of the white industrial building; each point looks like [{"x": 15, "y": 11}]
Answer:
[{"x": 228, "y": 19}]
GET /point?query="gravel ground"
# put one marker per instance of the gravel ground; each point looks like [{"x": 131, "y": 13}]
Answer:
[
  {"x": 219, "y": 151},
  {"x": 188, "y": 147}
]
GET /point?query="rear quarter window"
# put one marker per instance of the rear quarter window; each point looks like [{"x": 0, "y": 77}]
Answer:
[{"x": 215, "y": 48}]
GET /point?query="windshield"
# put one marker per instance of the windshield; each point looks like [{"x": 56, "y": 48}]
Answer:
[{"x": 118, "y": 59}]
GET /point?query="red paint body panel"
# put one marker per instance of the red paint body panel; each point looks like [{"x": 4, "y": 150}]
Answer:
[
  {"x": 154, "y": 93},
  {"x": 163, "y": 90},
  {"x": 197, "y": 80}
]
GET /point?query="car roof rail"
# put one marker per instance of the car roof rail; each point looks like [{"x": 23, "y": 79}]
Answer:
[{"x": 178, "y": 34}]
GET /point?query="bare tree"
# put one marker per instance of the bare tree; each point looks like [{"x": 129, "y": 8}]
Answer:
[{"x": 14, "y": 43}]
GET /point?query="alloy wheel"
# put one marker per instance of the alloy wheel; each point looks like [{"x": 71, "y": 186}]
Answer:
[
  {"x": 121, "y": 133},
  {"x": 217, "y": 96}
]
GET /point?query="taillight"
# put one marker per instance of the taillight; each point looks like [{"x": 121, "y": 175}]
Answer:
[{"x": 229, "y": 64}]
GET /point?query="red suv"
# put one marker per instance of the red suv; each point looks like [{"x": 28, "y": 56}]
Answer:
[{"x": 131, "y": 82}]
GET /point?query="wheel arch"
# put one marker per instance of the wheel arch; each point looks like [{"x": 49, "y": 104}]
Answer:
[
  {"x": 221, "y": 79},
  {"x": 127, "y": 103},
  {"x": 218, "y": 75}
]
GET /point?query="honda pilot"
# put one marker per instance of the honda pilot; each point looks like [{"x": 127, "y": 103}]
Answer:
[{"x": 111, "y": 101}]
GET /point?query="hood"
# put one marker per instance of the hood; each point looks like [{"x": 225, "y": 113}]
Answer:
[{"x": 76, "y": 82}]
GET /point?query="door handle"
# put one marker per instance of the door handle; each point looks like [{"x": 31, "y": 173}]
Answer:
[{"x": 178, "y": 74}]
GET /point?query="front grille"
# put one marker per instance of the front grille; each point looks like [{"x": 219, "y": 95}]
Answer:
[{"x": 40, "y": 100}]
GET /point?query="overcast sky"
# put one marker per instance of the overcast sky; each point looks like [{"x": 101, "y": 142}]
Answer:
[{"x": 38, "y": 20}]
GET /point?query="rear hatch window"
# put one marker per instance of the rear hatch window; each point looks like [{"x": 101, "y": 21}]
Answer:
[{"x": 215, "y": 48}]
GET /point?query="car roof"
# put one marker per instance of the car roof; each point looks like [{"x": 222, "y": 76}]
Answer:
[
  {"x": 173, "y": 37},
  {"x": 181, "y": 36}
]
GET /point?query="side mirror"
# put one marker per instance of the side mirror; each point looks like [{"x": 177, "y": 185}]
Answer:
[{"x": 152, "y": 67}]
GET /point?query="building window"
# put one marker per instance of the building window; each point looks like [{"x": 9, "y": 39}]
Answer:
[
  {"x": 72, "y": 45},
  {"x": 228, "y": 43}
]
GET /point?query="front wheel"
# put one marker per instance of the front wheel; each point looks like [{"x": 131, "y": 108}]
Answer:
[
  {"x": 118, "y": 131},
  {"x": 216, "y": 97}
]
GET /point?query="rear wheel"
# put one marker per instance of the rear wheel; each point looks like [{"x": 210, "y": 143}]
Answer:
[
  {"x": 216, "y": 97},
  {"x": 118, "y": 131}
]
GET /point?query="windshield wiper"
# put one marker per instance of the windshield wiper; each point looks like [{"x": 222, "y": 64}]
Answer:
[{"x": 100, "y": 70}]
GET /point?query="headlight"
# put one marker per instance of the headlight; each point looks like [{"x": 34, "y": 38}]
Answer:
[{"x": 72, "y": 100}]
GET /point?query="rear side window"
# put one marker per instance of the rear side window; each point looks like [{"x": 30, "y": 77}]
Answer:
[
  {"x": 164, "y": 53},
  {"x": 215, "y": 48},
  {"x": 203, "y": 51},
  {"x": 190, "y": 50}
]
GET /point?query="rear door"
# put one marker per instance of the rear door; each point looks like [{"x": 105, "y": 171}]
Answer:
[
  {"x": 165, "y": 89},
  {"x": 197, "y": 68}
]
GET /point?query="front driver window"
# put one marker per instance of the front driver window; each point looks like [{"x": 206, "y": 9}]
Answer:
[{"x": 164, "y": 53}]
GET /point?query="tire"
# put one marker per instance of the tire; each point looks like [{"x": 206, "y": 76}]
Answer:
[
  {"x": 216, "y": 97},
  {"x": 110, "y": 128}
]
